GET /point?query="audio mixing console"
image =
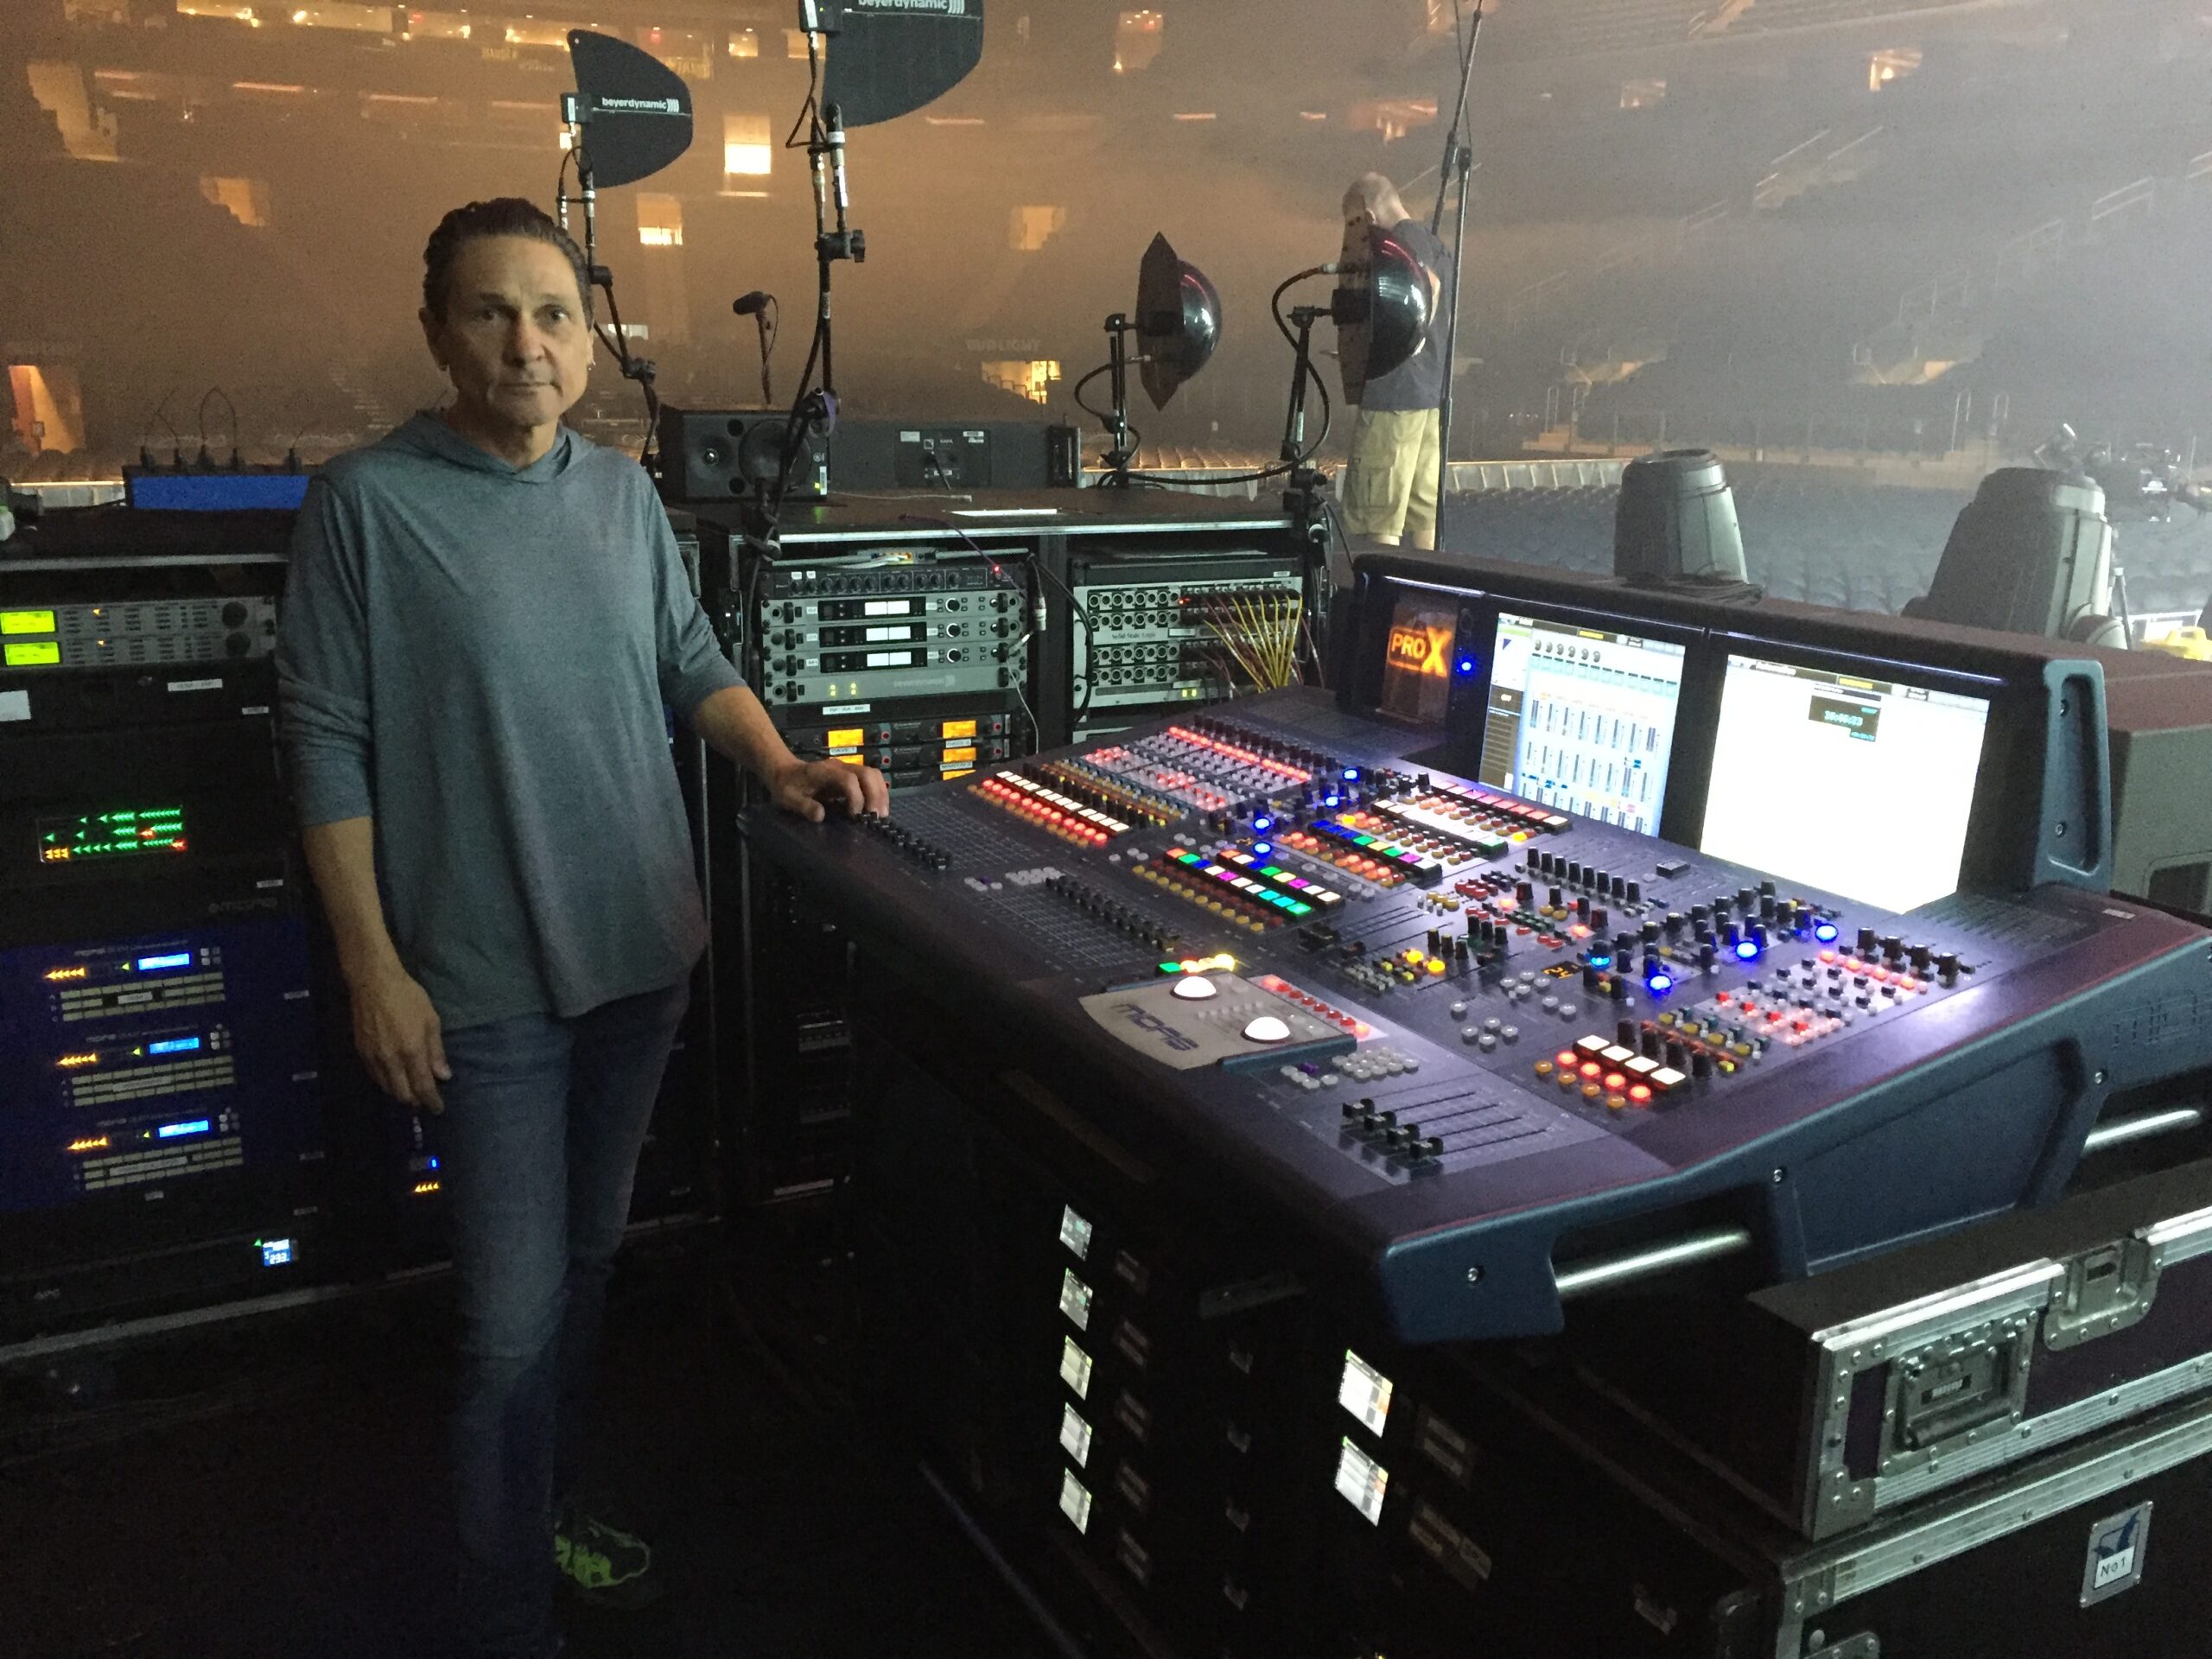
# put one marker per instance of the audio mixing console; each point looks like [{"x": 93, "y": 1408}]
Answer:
[{"x": 1443, "y": 1028}]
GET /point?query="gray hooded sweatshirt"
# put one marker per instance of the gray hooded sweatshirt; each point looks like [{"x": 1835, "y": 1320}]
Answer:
[{"x": 478, "y": 656}]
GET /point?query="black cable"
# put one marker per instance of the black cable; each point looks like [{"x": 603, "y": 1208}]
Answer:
[
  {"x": 1321, "y": 384},
  {"x": 998, "y": 569},
  {"x": 1090, "y": 622},
  {"x": 809, "y": 111},
  {"x": 1282, "y": 467},
  {"x": 1274, "y": 302},
  {"x": 620, "y": 347},
  {"x": 1103, "y": 418},
  {"x": 160, "y": 412},
  {"x": 810, "y": 117},
  {"x": 749, "y": 645},
  {"x": 230, "y": 407},
  {"x": 795, "y": 425},
  {"x": 1135, "y": 432}
]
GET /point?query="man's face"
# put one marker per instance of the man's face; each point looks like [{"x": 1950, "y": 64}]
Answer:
[{"x": 513, "y": 335}]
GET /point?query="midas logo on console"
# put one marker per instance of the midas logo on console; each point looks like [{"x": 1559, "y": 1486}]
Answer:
[{"x": 1144, "y": 1019}]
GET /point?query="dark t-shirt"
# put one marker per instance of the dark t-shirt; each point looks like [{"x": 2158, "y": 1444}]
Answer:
[{"x": 1417, "y": 383}]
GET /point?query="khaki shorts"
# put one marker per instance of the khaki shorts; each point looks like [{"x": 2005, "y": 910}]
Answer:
[{"x": 1390, "y": 486}]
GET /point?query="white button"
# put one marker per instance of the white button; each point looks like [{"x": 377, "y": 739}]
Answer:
[
  {"x": 1265, "y": 1029},
  {"x": 1193, "y": 987}
]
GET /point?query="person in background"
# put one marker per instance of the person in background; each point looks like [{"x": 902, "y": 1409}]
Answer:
[
  {"x": 1390, "y": 482},
  {"x": 486, "y": 619}
]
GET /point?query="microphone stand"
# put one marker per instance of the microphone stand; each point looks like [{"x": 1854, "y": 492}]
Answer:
[
  {"x": 639, "y": 369},
  {"x": 1117, "y": 356},
  {"x": 1303, "y": 478},
  {"x": 1459, "y": 162},
  {"x": 755, "y": 305},
  {"x": 826, "y": 160}
]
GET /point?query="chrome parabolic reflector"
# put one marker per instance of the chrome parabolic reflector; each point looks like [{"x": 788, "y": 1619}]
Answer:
[
  {"x": 1178, "y": 318},
  {"x": 1381, "y": 307}
]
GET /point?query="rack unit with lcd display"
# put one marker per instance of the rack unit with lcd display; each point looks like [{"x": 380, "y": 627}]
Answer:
[{"x": 164, "y": 1142}]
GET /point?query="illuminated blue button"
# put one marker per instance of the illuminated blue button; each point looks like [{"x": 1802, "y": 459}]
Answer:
[
  {"x": 1748, "y": 949},
  {"x": 1824, "y": 931}
]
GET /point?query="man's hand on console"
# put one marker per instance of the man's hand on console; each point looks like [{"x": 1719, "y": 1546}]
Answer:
[{"x": 809, "y": 788}]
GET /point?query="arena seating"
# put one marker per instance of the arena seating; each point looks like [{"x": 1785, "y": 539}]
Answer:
[{"x": 1828, "y": 543}]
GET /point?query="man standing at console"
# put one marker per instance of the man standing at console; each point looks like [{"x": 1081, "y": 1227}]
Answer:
[
  {"x": 1389, "y": 487},
  {"x": 486, "y": 617}
]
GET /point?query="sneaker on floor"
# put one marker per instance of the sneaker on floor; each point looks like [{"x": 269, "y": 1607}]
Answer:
[{"x": 603, "y": 1566}]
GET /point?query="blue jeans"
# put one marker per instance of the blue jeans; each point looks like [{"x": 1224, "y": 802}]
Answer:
[{"x": 538, "y": 1141}]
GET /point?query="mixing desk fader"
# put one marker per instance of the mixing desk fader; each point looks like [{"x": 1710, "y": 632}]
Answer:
[{"x": 1447, "y": 1032}]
